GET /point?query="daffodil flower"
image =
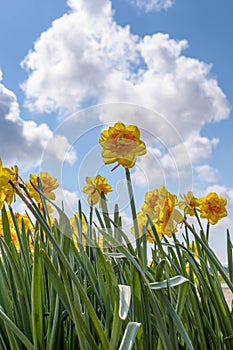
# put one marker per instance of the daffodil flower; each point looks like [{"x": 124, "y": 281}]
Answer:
[
  {"x": 121, "y": 144},
  {"x": 142, "y": 221},
  {"x": 48, "y": 184},
  {"x": 160, "y": 205},
  {"x": 7, "y": 192},
  {"x": 94, "y": 188},
  {"x": 153, "y": 202},
  {"x": 212, "y": 208},
  {"x": 169, "y": 216},
  {"x": 188, "y": 202}
]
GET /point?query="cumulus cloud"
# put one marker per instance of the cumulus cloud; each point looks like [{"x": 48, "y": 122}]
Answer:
[
  {"x": 105, "y": 62},
  {"x": 153, "y": 5},
  {"x": 66, "y": 199},
  {"x": 206, "y": 173},
  {"x": 22, "y": 142},
  {"x": 86, "y": 58}
]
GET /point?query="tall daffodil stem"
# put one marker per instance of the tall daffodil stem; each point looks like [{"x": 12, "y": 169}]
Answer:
[{"x": 133, "y": 211}]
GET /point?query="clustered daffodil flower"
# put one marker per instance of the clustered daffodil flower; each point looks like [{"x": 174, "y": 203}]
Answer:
[
  {"x": 7, "y": 192},
  {"x": 74, "y": 224},
  {"x": 48, "y": 184},
  {"x": 25, "y": 219},
  {"x": 212, "y": 208},
  {"x": 77, "y": 236},
  {"x": 94, "y": 188},
  {"x": 19, "y": 218},
  {"x": 142, "y": 222},
  {"x": 160, "y": 205},
  {"x": 188, "y": 203},
  {"x": 121, "y": 144}
]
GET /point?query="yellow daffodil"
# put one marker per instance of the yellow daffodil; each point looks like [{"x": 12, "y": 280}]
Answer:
[
  {"x": 193, "y": 248},
  {"x": 15, "y": 240},
  {"x": 2, "y": 198},
  {"x": 188, "y": 203},
  {"x": 169, "y": 216},
  {"x": 12, "y": 230},
  {"x": 74, "y": 225},
  {"x": 160, "y": 205},
  {"x": 6, "y": 174},
  {"x": 94, "y": 188},
  {"x": 194, "y": 276},
  {"x": 142, "y": 221},
  {"x": 121, "y": 144},
  {"x": 212, "y": 207},
  {"x": 7, "y": 192},
  {"x": 27, "y": 223},
  {"x": 79, "y": 237},
  {"x": 153, "y": 202},
  {"x": 100, "y": 242},
  {"x": 48, "y": 183}
]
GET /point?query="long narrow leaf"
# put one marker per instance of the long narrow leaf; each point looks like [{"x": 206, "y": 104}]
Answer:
[
  {"x": 173, "y": 282},
  {"x": 129, "y": 336},
  {"x": 36, "y": 296},
  {"x": 16, "y": 330}
]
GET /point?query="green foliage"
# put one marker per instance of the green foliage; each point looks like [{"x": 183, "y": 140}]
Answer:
[{"x": 60, "y": 294}]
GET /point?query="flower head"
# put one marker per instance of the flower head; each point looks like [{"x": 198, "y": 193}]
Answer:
[
  {"x": 153, "y": 202},
  {"x": 193, "y": 248},
  {"x": 121, "y": 144},
  {"x": 160, "y": 205},
  {"x": 23, "y": 218},
  {"x": 188, "y": 203},
  {"x": 79, "y": 237},
  {"x": 169, "y": 216},
  {"x": 94, "y": 188},
  {"x": 7, "y": 192},
  {"x": 74, "y": 224},
  {"x": 142, "y": 222},
  {"x": 48, "y": 183},
  {"x": 212, "y": 207}
]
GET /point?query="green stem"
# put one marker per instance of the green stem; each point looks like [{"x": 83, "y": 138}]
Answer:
[
  {"x": 207, "y": 231},
  {"x": 133, "y": 211}
]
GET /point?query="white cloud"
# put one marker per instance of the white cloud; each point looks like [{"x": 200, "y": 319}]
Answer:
[
  {"x": 163, "y": 166},
  {"x": 67, "y": 199},
  {"x": 22, "y": 142},
  {"x": 153, "y": 5},
  {"x": 199, "y": 147},
  {"x": 86, "y": 58},
  {"x": 206, "y": 173},
  {"x": 149, "y": 172}
]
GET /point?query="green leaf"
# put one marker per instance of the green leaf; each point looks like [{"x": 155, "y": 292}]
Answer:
[
  {"x": 229, "y": 256},
  {"x": 65, "y": 264},
  {"x": 11, "y": 325},
  {"x": 36, "y": 296},
  {"x": 177, "y": 321},
  {"x": 6, "y": 227},
  {"x": 115, "y": 255},
  {"x": 182, "y": 297},
  {"x": 125, "y": 297},
  {"x": 56, "y": 281},
  {"x": 173, "y": 282},
  {"x": 129, "y": 336}
]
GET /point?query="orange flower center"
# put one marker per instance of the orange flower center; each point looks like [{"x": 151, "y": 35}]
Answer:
[
  {"x": 214, "y": 206},
  {"x": 152, "y": 201}
]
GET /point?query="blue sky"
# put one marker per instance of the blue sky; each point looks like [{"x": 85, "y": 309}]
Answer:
[{"x": 164, "y": 65}]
